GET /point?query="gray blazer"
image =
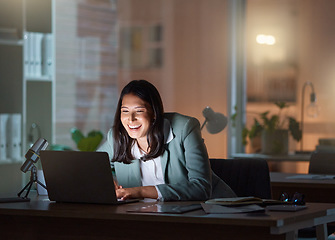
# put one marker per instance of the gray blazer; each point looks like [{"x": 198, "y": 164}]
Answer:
[{"x": 185, "y": 165}]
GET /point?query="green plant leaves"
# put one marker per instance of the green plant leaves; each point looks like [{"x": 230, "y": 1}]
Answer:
[
  {"x": 76, "y": 135},
  {"x": 256, "y": 129},
  {"x": 271, "y": 123},
  {"x": 282, "y": 105},
  {"x": 89, "y": 143},
  {"x": 294, "y": 128}
]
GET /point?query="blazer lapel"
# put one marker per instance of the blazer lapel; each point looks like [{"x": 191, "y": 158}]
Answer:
[{"x": 164, "y": 161}]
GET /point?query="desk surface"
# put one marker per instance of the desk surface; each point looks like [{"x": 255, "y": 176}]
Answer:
[
  {"x": 42, "y": 218},
  {"x": 315, "y": 190}
]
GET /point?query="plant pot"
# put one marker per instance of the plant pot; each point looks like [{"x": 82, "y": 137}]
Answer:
[{"x": 275, "y": 142}]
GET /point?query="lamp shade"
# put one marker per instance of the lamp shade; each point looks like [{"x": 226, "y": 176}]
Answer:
[{"x": 215, "y": 122}]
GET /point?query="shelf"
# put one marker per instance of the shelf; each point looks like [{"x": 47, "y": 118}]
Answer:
[
  {"x": 10, "y": 162},
  {"x": 39, "y": 79},
  {"x": 26, "y": 89},
  {"x": 13, "y": 42}
]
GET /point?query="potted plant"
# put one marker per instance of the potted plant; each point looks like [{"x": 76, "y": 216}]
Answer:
[{"x": 273, "y": 130}]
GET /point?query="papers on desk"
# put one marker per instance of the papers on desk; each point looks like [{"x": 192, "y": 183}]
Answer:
[
  {"x": 164, "y": 208},
  {"x": 312, "y": 176},
  {"x": 237, "y": 205},
  {"x": 219, "y": 209},
  {"x": 238, "y": 201}
]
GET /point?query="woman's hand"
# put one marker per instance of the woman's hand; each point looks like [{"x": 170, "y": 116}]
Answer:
[
  {"x": 136, "y": 192},
  {"x": 116, "y": 185}
]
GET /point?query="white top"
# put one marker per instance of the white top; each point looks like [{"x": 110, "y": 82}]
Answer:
[{"x": 151, "y": 170}]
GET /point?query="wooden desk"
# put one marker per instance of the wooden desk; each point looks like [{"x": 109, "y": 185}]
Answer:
[
  {"x": 40, "y": 219},
  {"x": 315, "y": 190}
]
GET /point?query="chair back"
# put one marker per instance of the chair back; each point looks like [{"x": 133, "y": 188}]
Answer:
[
  {"x": 246, "y": 177},
  {"x": 322, "y": 162}
]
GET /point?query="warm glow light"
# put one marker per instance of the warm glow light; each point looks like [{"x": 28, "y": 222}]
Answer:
[
  {"x": 313, "y": 110},
  {"x": 265, "y": 39}
]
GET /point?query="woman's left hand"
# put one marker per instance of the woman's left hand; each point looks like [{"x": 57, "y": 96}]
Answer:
[{"x": 137, "y": 192}]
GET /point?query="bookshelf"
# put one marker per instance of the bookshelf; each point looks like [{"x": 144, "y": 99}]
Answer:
[{"x": 27, "y": 81}]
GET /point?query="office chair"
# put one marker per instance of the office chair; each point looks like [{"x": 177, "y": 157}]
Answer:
[{"x": 246, "y": 177}]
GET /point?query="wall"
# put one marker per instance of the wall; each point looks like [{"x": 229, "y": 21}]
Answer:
[
  {"x": 194, "y": 71},
  {"x": 86, "y": 70},
  {"x": 317, "y": 60}
]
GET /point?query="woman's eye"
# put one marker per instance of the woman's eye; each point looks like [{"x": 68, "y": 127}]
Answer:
[{"x": 124, "y": 111}]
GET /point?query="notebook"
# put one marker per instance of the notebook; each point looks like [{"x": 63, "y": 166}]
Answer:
[{"x": 79, "y": 177}]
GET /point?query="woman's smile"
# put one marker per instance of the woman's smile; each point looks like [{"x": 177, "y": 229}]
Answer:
[{"x": 134, "y": 127}]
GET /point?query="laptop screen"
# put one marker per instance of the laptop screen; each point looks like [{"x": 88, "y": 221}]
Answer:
[{"x": 82, "y": 177}]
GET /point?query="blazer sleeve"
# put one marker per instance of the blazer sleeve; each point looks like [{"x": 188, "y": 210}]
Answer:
[
  {"x": 107, "y": 146},
  {"x": 188, "y": 169}
]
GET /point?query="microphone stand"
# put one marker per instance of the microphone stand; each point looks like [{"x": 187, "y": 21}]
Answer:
[{"x": 33, "y": 179}]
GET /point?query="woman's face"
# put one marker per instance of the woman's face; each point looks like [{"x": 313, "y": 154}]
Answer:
[{"x": 136, "y": 116}]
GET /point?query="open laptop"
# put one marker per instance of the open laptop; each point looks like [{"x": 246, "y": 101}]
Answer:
[{"x": 79, "y": 177}]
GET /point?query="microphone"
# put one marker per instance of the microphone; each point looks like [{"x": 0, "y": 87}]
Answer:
[{"x": 32, "y": 156}]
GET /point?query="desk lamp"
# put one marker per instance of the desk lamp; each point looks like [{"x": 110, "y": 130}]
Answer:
[
  {"x": 312, "y": 108},
  {"x": 215, "y": 122}
]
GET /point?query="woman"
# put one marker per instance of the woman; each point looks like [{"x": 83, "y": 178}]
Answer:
[{"x": 158, "y": 155}]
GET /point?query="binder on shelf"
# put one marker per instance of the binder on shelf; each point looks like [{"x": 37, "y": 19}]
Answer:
[
  {"x": 14, "y": 137},
  {"x": 3, "y": 137},
  {"x": 38, "y": 54},
  {"x": 26, "y": 53},
  {"x": 31, "y": 55},
  {"x": 47, "y": 55}
]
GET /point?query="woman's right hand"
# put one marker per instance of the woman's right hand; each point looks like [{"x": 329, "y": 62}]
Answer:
[{"x": 116, "y": 184}]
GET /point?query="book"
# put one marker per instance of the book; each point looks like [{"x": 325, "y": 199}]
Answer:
[
  {"x": 218, "y": 209},
  {"x": 244, "y": 201}
]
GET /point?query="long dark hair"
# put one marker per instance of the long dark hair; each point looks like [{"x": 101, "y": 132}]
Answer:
[{"x": 155, "y": 137}]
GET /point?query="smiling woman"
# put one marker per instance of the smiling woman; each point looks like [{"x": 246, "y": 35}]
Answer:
[{"x": 158, "y": 155}]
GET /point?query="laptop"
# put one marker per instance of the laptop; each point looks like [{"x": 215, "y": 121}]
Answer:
[{"x": 79, "y": 177}]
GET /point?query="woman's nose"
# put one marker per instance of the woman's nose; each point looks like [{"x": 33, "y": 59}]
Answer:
[{"x": 132, "y": 117}]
